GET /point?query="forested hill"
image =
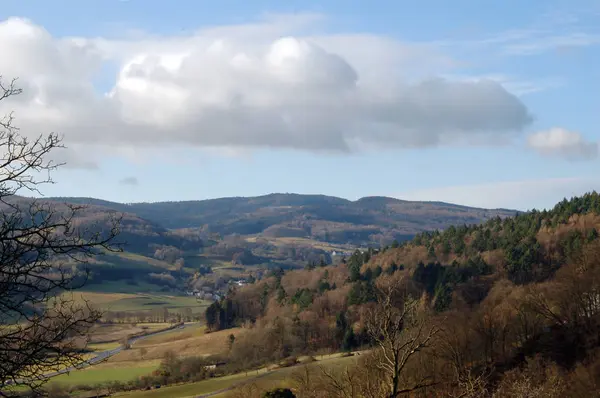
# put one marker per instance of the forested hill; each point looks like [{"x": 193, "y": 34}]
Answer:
[
  {"x": 525, "y": 248},
  {"x": 370, "y": 220},
  {"x": 513, "y": 303}
]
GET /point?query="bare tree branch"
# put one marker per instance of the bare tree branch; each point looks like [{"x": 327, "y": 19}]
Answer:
[
  {"x": 398, "y": 329},
  {"x": 42, "y": 248}
]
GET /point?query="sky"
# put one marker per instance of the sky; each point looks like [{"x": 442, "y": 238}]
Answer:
[{"x": 481, "y": 103}]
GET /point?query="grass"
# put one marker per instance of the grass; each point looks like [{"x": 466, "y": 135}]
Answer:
[
  {"x": 101, "y": 347},
  {"x": 138, "y": 301},
  {"x": 109, "y": 333},
  {"x": 148, "y": 301},
  {"x": 270, "y": 379},
  {"x": 124, "y": 286},
  {"x": 283, "y": 377},
  {"x": 304, "y": 242},
  {"x": 201, "y": 259},
  {"x": 143, "y": 259},
  {"x": 191, "y": 389},
  {"x": 184, "y": 334},
  {"x": 184, "y": 343},
  {"x": 101, "y": 374}
]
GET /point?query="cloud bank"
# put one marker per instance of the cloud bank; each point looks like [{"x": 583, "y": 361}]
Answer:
[{"x": 249, "y": 86}]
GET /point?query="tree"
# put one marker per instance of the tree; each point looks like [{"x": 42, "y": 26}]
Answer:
[
  {"x": 44, "y": 251},
  {"x": 279, "y": 393},
  {"x": 400, "y": 332},
  {"x": 349, "y": 340},
  {"x": 230, "y": 341},
  {"x": 322, "y": 262},
  {"x": 212, "y": 316}
]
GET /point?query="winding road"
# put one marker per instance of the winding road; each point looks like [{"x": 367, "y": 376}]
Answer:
[{"x": 101, "y": 356}]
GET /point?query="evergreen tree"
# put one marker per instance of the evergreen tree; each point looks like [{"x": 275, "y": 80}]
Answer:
[
  {"x": 281, "y": 294},
  {"x": 377, "y": 272},
  {"x": 322, "y": 262},
  {"x": 349, "y": 340}
]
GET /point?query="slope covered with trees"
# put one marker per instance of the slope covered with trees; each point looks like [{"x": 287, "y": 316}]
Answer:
[{"x": 492, "y": 310}]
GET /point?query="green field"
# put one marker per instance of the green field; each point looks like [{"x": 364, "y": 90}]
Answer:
[
  {"x": 101, "y": 347},
  {"x": 99, "y": 375},
  {"x": 149, "y": 301},
  {"x": 116, "y": 301},
  {"x": 123, "y": 286},
  {"x": 192, "y": 389}
]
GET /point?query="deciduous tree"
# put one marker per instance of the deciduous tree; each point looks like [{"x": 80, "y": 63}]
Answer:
[
  {"x": 399, "y": 331},
  {"x": 42, "y": 247}
]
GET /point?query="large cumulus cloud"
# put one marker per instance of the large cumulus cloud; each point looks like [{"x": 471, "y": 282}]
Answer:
[{"x": 263, "y": 87}]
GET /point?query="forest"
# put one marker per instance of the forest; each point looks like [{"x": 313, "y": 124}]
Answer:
[{"x": 506, "y": 308}]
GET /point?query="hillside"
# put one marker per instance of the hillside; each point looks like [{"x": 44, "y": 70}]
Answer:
[
  {"x": 524, "y": 248},
  {"x": 205, "y": 245},
  {"x": 137, "y": 234},
  {"x": 367, "y": 221},
  {"x": 513, "y": 303}
]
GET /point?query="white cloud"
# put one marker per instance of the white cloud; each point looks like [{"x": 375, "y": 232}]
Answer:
[
  {"x": 246, "y": 86},
  {"x": 563, "y": 143},
  {"x": 520, "y": 195}
]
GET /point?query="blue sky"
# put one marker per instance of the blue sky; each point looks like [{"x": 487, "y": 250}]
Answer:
[{"x": 324, "y": 97}]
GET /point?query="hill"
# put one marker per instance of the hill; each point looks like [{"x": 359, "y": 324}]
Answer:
[
  {"x": 367, "y": 221},
  {"x": 204, "y": 246},
  {"x": 513, "y": 303}
]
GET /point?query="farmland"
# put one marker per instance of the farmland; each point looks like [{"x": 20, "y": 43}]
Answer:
[
  {"x": 262, "y": 379},
  {"x": 145, "y": 355}
]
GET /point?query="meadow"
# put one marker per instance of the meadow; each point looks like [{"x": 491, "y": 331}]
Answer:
[
  {"x": 131, "y": 302},
  {"x": 145, "y": 355},
  {"x": 187, "y": 342},
  {"x": 263, "y": 379}
]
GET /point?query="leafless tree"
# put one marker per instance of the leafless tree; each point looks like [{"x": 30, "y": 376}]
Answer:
[
  {"x": 42, "y": 246},
  {"x": 400, "y": 331}
]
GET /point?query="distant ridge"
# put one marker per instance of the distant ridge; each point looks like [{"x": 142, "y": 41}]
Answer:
[{"x": 368, "y": 220}]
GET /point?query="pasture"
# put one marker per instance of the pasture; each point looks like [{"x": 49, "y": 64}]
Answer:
[
  {"x": 145, "y": 355},
  {"x": 262, "y": 379},
  {"x": 106, "y": 335},
  {"x": 131, "y": 302},
  {"x": 187, "y": 342},
  {"x": 105, "y": 372}
]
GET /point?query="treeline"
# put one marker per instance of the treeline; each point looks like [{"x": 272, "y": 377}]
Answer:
[{"x": 157, "y": 315}]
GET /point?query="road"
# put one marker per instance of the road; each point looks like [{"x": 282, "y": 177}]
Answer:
[{"x": 101, "y": 356}]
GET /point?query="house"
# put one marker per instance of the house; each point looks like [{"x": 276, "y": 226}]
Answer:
[{"x": 214, "y": 366}]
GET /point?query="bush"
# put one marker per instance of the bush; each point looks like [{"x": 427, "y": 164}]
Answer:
[{"x": 279, "y": 393}]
